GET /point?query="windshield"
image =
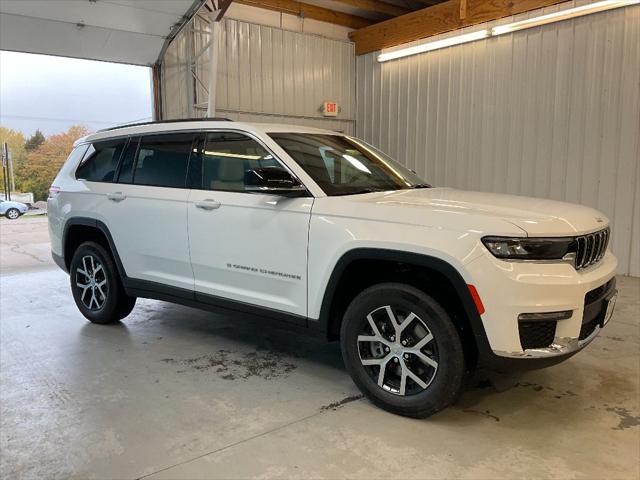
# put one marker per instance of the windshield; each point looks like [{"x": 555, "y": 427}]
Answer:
[{"x": 344, "y": 165}]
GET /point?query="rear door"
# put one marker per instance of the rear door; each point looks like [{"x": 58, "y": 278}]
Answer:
[
  {"x": 145, "y": 209},
  {"x": 246, "y": 247}
]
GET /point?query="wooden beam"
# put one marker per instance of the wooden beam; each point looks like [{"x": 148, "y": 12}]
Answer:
[
  {"x": 223, "y": 6},
  {"x": 463, "y": 9},
  {"x": 437, "y": 19},
  {"x": 377, "y": 6},
  {"x": 310, "y": 11}
]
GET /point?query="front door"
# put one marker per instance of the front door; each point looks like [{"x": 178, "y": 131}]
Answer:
[{"x": 246, "y": 247}]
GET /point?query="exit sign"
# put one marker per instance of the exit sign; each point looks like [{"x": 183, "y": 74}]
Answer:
[{"x": 330, "y": 109}]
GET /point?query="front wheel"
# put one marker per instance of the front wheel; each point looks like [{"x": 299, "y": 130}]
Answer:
[
  {"x": 12, "y": 213},
  {"x": 96, "y": 286},
  {"x": 402, "y": 350}
]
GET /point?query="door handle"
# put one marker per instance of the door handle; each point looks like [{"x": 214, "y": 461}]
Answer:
[
  {"x": 116, "y": 196},
  {"x": 207, "y": 204}
]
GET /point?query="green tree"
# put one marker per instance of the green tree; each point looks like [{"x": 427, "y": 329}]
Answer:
[
  {"x": 15, "y": 141},
  {"x": 34, "y": 141},
  {"x": 42, "y": 164}
]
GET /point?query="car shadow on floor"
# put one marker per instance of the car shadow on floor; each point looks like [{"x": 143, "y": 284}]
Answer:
[
  {"x": 266, "y": 337},
  {"x": 251, "y": 333}
]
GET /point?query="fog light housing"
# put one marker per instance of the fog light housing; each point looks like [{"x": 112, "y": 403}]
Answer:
[{"x": 545, "y": 316}]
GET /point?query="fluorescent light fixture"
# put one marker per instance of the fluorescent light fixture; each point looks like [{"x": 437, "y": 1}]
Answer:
[
  {"x": 561, "y": 15},
  {"x": 508, "y": 28},
  {"x": 427, "y": 47}
]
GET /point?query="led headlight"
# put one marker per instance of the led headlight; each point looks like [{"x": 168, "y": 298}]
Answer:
[{"x": 529, "y": 248}]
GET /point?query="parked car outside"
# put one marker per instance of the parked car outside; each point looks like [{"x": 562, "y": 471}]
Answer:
[{"x": 12, "y": 210}]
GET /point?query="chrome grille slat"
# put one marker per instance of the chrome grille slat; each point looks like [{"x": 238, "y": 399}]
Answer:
[{"x": 591, "y": 248}]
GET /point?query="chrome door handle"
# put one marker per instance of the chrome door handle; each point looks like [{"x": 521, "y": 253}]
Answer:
[
  {"x": 207, "y": 204},
  {"x": 116, "y": 196}
]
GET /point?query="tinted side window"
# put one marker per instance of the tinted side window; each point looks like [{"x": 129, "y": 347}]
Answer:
[
  {"x": 162, "y": 160},
  {"x": 100, "y": 165},
  {"x": 226, "y": 158}
]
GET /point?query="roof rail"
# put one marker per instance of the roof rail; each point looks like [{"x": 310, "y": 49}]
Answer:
[{"x": 178, "y": 120}]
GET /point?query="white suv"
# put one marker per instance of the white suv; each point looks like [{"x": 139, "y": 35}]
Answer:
[{"x": 421, "y": 285}]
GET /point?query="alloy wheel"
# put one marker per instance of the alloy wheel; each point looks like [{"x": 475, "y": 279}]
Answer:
[
  {"x": 13, "y": 213},
  {"x": 92, "y": 280},
  {"x": 398, "y": 351}
]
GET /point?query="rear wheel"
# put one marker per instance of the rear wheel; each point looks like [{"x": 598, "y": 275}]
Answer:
[
  {"x": 96, "y": 286},
  {"x": 12, "y": 213},
  {"x": 402, "y": 350}
]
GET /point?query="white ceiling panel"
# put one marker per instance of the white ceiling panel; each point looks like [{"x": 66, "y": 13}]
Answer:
[{"x": 127, "y": 31}]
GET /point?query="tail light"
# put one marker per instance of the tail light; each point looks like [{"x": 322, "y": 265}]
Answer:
[{"x": 53, "y": 191}]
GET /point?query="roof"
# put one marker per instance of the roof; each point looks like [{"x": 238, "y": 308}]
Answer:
[
  {"x": 125, "y": 31},
  {"x": 198, "y": 124}
]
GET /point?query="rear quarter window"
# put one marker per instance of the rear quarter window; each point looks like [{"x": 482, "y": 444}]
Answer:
[{"x": 101, "y": 161}]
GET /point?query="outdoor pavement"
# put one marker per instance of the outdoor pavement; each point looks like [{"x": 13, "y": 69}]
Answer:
[{"x": 173, "y": 392}]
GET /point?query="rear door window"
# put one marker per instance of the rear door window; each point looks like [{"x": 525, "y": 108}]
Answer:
[
  {"x": 162, "y": 160},
  {"x": 101, "y": 161}
]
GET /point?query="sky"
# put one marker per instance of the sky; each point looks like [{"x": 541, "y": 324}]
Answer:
[{"x": 53, "y": 93}]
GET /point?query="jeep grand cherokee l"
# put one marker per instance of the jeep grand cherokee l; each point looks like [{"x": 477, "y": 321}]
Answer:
[{"x": 421, "y": 285}]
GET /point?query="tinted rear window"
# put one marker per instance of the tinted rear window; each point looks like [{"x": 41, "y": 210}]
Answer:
[
  {"x": 101, "y": 162},
  {"x": 162, "y": 160}
]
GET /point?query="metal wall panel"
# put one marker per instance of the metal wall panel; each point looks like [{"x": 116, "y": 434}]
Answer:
[
  {"x": 266, "y": 73},
  {"x": 551, "y": 112}
]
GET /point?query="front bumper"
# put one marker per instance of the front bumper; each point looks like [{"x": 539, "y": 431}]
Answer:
[{"x": 508, "y": 289}]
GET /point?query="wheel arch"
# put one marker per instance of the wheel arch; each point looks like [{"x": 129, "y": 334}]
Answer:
[
  {"x": 82, "y": 229},
  {"x": 346, "y": 280}
]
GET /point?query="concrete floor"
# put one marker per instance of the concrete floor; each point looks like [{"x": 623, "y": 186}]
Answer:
[{"x": 173, "y": 392}]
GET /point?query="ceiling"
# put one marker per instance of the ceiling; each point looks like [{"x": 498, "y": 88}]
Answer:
[
  {"x": 125, "y": 31},
  {"x": 353, "y": 14}
]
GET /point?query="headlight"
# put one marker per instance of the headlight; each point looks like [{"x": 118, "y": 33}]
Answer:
[{"x": 529, "y": 248}]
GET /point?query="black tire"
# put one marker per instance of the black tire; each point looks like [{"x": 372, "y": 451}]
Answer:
[
  {"x": 103, "y": 299},
  {"x": 12, "y": 214},
  {"x": 444, "y": 379}
]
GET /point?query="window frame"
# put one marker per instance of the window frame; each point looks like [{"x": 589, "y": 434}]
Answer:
[
  {"x": 201, "y": 145},
  {"x": 130, "y": 138}
]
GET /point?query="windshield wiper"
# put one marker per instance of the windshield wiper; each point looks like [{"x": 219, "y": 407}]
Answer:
[{"x": 421, "y": 185}]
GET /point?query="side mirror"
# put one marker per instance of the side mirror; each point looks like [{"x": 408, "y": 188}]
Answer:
[{"x": 274, "y": 181}]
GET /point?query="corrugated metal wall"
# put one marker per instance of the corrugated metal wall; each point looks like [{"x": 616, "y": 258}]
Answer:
[
  {"x": 264, "y": 74},
  {"x": 550, "y": 112}
]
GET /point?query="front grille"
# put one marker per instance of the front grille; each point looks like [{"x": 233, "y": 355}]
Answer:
[
  {"x": 536, "y": 334},
  {"x": 591, "y": 248}
]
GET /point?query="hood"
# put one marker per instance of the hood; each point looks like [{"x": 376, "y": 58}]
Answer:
[{"x": 537, "y": 217}]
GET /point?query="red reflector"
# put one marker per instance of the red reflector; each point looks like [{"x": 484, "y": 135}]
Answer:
[{"x": 476, "y": 299}]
